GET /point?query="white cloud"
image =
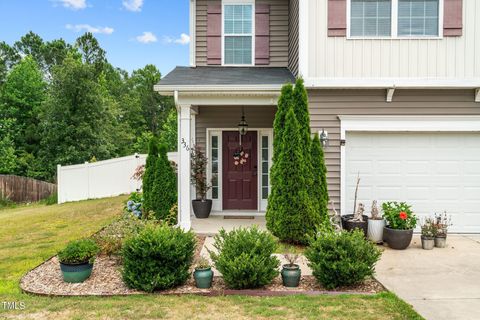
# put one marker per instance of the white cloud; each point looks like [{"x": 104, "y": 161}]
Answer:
[
  {"x": 89, "y": 28},
  {"x": 147, "y": 37},
  {"x": 73, "y": 4},
  {"x": 133, "y": 5},
  {"x": 183, "y": 40}
]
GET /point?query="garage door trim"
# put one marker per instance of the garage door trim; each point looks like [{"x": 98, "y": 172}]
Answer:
[{"x": 348, "y": 123}]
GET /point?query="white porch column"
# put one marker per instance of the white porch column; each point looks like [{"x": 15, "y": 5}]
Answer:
[{"x": 184, "y": 135}]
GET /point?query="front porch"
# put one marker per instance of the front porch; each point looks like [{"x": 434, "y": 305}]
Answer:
[
  {"x": 210, "y": 104},
  {"x": 214, "y": 223}
]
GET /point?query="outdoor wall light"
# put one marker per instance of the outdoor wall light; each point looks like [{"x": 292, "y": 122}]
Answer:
[
  {"x": 324, "y": 138},
  {"x": 243, "y": 125}
]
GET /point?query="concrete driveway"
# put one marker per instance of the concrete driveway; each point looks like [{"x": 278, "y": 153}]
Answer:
[{"x": 439, "y": 284}]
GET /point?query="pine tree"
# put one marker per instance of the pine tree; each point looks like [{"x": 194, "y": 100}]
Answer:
[
  {"x": 149, "y": 175},
  {"x": 164, "y": 192},
  {"x": 319, "y": 189},
  {"x": 290, "y": 214}
]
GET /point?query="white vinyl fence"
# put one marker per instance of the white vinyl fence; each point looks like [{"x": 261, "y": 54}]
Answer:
[{"x": 100, "y": 179}]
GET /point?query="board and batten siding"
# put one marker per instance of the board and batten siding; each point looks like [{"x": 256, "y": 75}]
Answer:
[
  {"x": 278, "y": 32},
  {"x": 326, "y": 105},
  {"x": 293, "y": 36},
  {"x": 229, "y": 117},
  {"x": 339, "y": 57}
]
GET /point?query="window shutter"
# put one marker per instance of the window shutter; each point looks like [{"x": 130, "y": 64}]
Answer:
[
  {"x": 337, "y": 18},
  {"x": 262, "y": 34},
  {"x": 214, "y": 34},
  {"x": 452, "y": 18}
]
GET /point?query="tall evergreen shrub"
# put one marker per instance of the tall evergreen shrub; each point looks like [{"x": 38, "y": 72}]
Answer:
[
  {"x": 291, "y": 215},
  {"x": 149, "y": 175},
  {"x": 165, "y": 186},
  {"x": 284, "y": 103},
  {"x": 159, "y": 181},
  {"x": 319, "y": 188}
]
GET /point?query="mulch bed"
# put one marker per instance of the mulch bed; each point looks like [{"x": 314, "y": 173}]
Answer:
[{"x": 106, "y": 280}]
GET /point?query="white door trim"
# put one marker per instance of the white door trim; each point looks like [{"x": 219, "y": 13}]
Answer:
[
  {"x": 218, "y": 204},
  {"x": 397, "y": 124}
]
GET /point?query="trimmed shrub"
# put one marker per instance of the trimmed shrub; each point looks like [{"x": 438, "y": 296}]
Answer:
[
  {"x": 79, "y": 251},
  {"x": 291, "y": 214},
  {"x": 319, "y": 187},
  {"x": 245, "y": 257},
  {"x": 158, "y": 258},
  {"x": 284, "y": 104},
  {"x": 342, "y": 259}
]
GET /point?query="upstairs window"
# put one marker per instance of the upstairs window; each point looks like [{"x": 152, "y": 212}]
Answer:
[
  {"x": 371, "y": 18},
  {"x": 394, "y": 18},
  {"x": 418, "y": 17},
  {"x": 238, "y": 34}
]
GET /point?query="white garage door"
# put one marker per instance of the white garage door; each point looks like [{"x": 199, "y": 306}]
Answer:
[{"x": 434, "y": 172}]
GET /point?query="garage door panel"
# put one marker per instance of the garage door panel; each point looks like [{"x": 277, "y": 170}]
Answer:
[{"x": 432, "y": 171}]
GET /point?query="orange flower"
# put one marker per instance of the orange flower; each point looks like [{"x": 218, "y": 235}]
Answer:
[{"x": 403, "y": 215}]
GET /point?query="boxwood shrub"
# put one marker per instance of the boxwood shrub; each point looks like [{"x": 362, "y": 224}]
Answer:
[
  {"x": 342, "y": 259},
  {"x": 158, "y": 258},
  {"x": 245, "y": 257},
  {"x": 79, "y": 251}
]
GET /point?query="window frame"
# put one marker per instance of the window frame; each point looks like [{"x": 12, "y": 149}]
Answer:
[
  {"x": 252, "y": 35},
  {"x": 394, "y": 26}
]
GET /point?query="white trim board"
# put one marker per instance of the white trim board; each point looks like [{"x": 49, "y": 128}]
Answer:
[{"x": 398, "y": 124}]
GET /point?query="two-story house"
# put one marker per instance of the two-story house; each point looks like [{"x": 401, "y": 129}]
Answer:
[{"x": 394, "y": 84}]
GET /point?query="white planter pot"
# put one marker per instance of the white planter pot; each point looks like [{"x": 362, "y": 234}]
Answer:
[{"x": 375, "y": 230}]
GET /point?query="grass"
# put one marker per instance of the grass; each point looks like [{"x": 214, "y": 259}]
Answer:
[{"x": 29, "y": 235}]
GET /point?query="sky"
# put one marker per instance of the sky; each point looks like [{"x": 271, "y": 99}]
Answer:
[{"x": 133, "y": 32}]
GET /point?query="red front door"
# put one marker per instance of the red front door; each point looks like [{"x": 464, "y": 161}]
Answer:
[{"x": 239, "y": 180}]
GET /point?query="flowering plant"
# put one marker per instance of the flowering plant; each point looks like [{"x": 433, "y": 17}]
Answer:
[
  {"x": 134, "y": 204},
  {"x": 442, "y": 223},
  {"x": 428, "y": 228},
  {"x": 399, "y": 215}
]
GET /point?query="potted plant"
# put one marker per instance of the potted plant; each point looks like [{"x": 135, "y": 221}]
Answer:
[
  {"x": 201, "y": 206},
  {"x": 76, "y": 260},
  {"x": 428, "y": 233},
  {"x": 203, "y": 274},
  {"x": 357, "y": 220},
  {"x": 400, "y": 224},
  {"x": 376, "y": 223},
  {"x": 442, "y": 222},
  {"x": 291, "y": 272}
]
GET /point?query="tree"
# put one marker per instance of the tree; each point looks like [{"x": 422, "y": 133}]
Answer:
[
  {"x": 7, "y": 156},
  {"x": 168, "y": 132},
  {"x": 319, "y": 187},
  {"x": 291, "y": 215},
  {"x": 91, "y": 52},
  {"x": 159, "y": 181},
  {"x": 149, "y": 175},
  {"x": 284, "y": 103},
  {"x": 21, "y": 97},
  {"x": 8, "y": 58},
  {"x": 75, "y": 117}
]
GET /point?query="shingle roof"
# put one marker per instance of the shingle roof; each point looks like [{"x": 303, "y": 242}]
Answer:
[{"x": 211, "y": 76}]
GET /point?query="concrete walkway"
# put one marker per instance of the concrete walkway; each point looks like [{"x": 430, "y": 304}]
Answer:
[{"x": 439, "y": 284}]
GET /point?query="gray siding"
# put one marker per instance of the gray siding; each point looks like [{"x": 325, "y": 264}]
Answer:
[
  {"x": 278, "y": 32},
  {"x": 293, "y": 40},
  {"x": 327, "y": 105},
  {"x": 229, "y": 117}
]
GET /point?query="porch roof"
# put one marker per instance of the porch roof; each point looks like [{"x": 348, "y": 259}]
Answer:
[{"x": 227, "y": 78}]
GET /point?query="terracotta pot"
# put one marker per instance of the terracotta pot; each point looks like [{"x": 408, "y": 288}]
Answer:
[
  {"x": 202, "y": 208},
  {"x": 375, "y": 230},
  {"x": 398, "y": 239}
]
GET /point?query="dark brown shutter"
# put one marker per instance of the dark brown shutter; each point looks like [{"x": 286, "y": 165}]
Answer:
[
  {"x": 262, "y": 34},
  {"x": 452, "y": 18},
  {"x": 214, "y": 34},
  {"x": 337, "y": 18}
]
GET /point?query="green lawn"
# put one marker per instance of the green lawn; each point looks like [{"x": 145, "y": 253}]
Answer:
[{"x": 29, "y": 235}]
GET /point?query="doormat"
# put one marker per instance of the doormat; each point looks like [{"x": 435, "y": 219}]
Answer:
[{"x": 239, "y": 217}]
